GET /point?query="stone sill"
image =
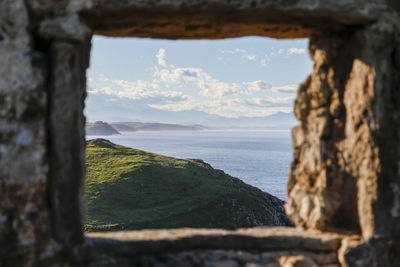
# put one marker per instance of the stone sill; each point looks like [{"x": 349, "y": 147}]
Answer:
[{"x": 251, "y": 239}]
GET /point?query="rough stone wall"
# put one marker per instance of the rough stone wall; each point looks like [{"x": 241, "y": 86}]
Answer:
[
  {"x": 322, "y": 193},
  {"x": 66, "y": 42},
  {"x": 24, "y": 213},
  {"x": 379, "y": 114},
  {"x": 346, "y": 170},
  {"x": 42, "y": 88},
  {"x": 346, "y": 149},
  {"x": 346, "y": 174},
  {"x": 378, "y": 172}
]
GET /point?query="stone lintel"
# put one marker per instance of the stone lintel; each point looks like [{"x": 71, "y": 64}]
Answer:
[{"x": 223, "y": 19}]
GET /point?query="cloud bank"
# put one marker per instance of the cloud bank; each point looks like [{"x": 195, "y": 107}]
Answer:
[{"x": 197, "y": 90}]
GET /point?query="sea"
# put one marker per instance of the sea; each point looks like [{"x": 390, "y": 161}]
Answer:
[{"x": 260, "y": 158}]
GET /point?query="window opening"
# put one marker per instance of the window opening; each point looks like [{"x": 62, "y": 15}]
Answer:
[{"x": 225, "y": 104}]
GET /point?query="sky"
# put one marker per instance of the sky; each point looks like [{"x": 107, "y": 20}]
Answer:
[{"x": 188, "y": 81}]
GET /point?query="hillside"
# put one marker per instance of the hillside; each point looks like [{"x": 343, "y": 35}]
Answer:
[
  {"x": 132, "y": 189},
  {"x": 99, "y": 128},
  {"x": 152, "y": 126}
]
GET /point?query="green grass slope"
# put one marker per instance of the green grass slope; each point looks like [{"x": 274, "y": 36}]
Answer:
[{"x": 130, "y": 189}]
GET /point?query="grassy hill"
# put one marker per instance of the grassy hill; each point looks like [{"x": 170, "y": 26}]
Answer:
[{"x": 132, "y": 189}]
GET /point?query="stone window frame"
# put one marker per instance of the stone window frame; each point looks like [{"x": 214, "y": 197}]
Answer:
[
  {"x": 355, "y": 46},
  {"x": 70, "y": 53}
]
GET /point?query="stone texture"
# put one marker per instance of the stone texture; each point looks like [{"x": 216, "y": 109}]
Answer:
[
  {"x": 345, "y": 175},
  {"x": 225, "y": 18},
  {"x": 24, "y": 216},
  {"x": 346, "y": 150},
  {"x": 260, "y": 246},
  {"x": 220, "y": 258},
  {"x": 262, "y": 238},
  {"x": 394, "y": 4},
  {"x": 378, "y": 123},
  {"x": 67, "y": 144},
  {"x": 322, "y": 193},
  {"x": 66, "y": 28},
  {"x": 374, "y": 253}
]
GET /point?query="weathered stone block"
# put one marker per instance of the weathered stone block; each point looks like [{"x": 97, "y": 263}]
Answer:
[
  {"x": 322, "y": 194},
  {"x": 67, "y": 28},
  {"x": 67, "y": 144},
  {"x": 24, "y": 216}
]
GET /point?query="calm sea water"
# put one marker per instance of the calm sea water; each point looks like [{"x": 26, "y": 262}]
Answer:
[{"x": 258, "y": 157}]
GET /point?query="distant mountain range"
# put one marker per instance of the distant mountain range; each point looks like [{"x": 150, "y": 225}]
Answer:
[
  {"x": 277, "y": 120},
  {"x": 151, "y": 126},
  {"x": 98, "y": 109},
  {"x": 103, "y": 128}
]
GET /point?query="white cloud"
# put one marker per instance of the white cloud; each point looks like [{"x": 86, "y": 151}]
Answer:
[
  {"x": 281, "y": 100},
  {"x": 161, "y": 57},
  {"x": 135, "y": 95},
  {"x": 239, "y": 50},
  {"x": 178, "y": 75},
  {"x": 235, "y": 51},
  {"x": 233, "y": 108},
  {"x": 209, "y": 86},
  {"x": 293, "y": 51},
  {"x": 228, "y": 99},
  {"x": 103, "y": 78},
  {"x": 281, "y": 51},
  {"x": 285, "y": 89},
  {"x": 243, "y": 54},
  {"x": 257, "y": 86},
  {"x": 138, "y": 90}
]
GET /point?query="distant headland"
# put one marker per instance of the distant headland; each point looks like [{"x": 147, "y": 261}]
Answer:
[{"x": 104, "y": 128}]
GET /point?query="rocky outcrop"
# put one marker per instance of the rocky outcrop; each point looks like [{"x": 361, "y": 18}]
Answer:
[{"x": 153, "y": 126}]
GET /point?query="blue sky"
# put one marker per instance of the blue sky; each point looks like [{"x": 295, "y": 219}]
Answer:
[{"x": 186, "y": 81}]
